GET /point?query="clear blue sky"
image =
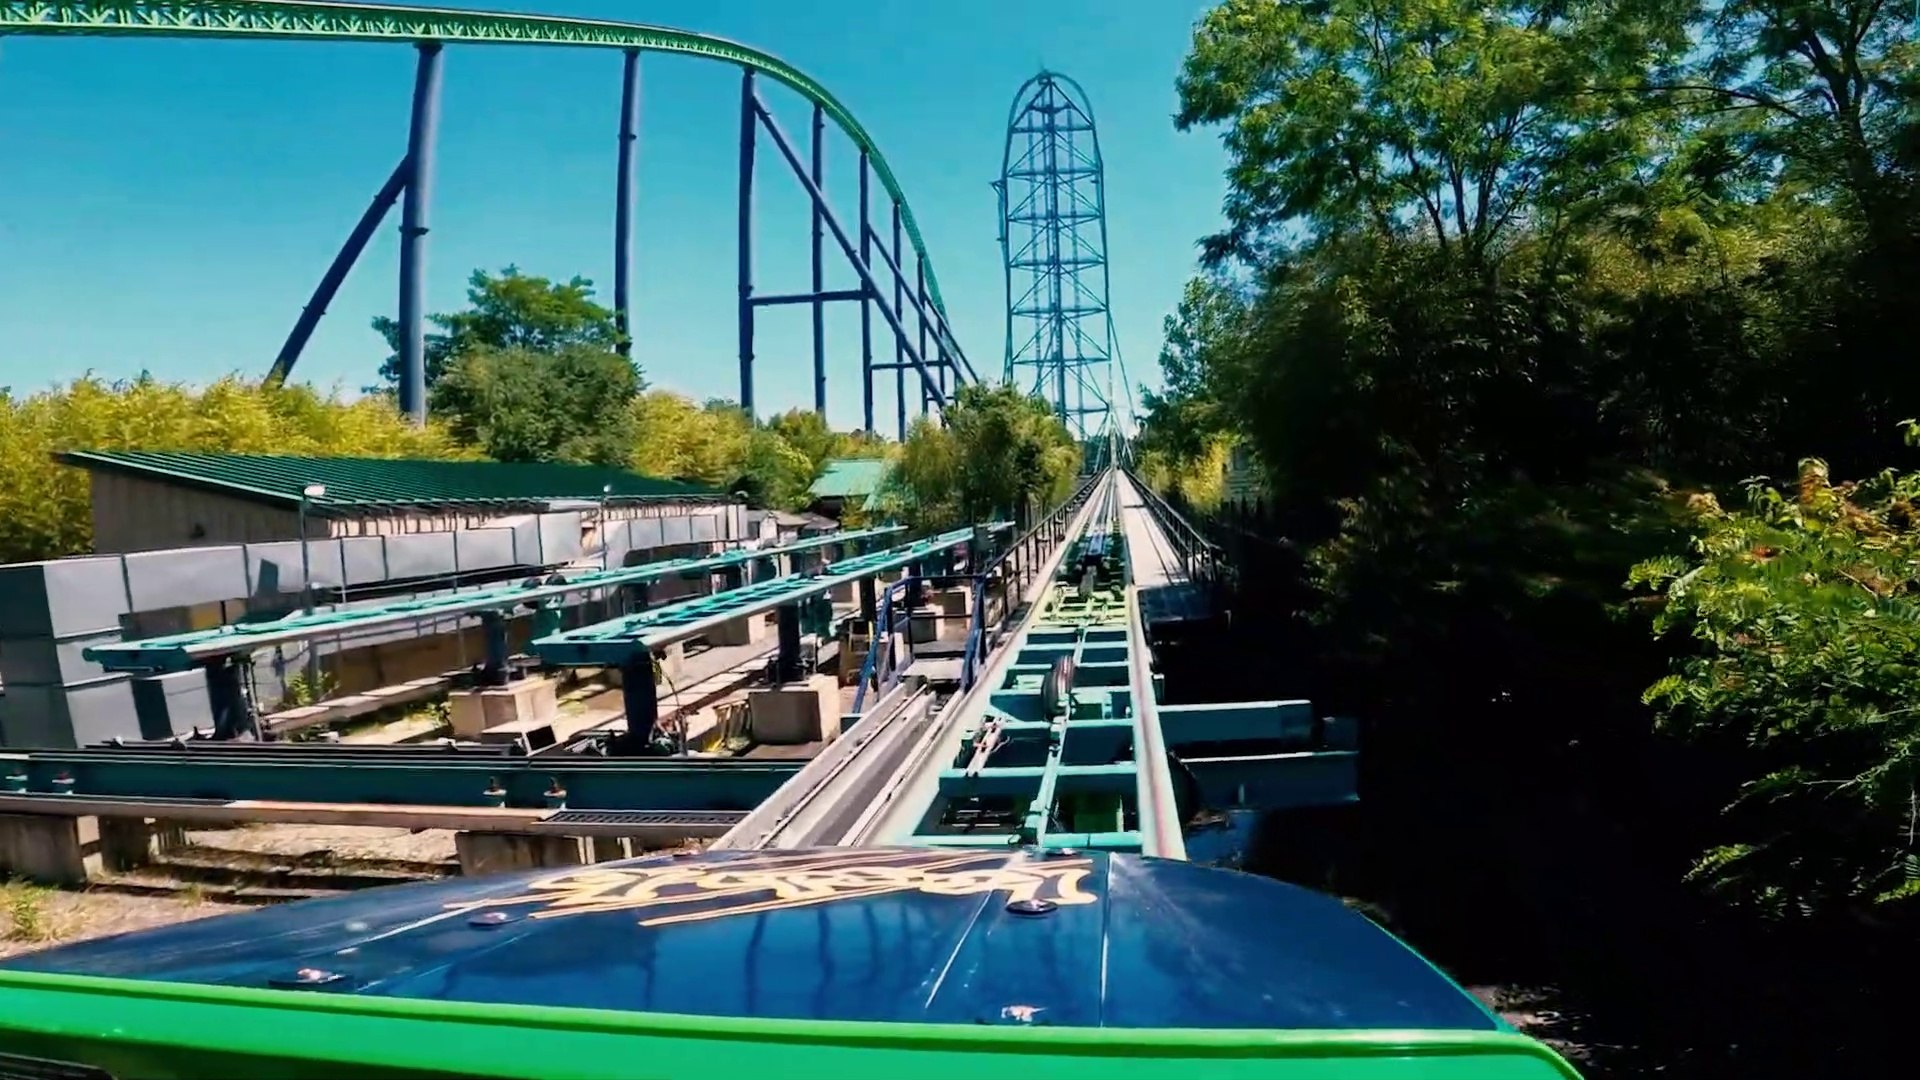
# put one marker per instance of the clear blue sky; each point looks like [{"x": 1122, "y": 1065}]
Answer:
[{"x": 168, "y": 205}]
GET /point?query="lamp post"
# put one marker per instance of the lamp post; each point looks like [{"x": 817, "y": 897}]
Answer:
[
  {"x": 307, "y": 495},
  {"x": 606, "y": 534}
]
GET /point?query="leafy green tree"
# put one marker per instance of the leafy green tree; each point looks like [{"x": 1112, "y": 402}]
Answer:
[
  {"x": 518, "y": 404},
  {"x": 999, "y": 453},
  {"x": 1806, "y": 625},
  {"x": 507, "y": 311},
  {"x": 1444, "y": 117}
]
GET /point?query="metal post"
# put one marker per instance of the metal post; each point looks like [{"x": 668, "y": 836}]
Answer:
[
  {"x": 746, "y": 240},
  {"x": 899, "y": 346},
  {"x": 493, "y": 672},
  {"x": 623, "y": 200},
  {"x": 233, "y": 716},
  {"x": 787, "y": 667},
  {"x": 642, "y": 704},
  {"x": 336, "y": 274},
  {"x": 920, "y": 315},
  {"x": 819, "y": 270},
  {"x": 868, "y": 603},
  {"x": 413, "y": 231},
  {"x": 866, "y": 302}
]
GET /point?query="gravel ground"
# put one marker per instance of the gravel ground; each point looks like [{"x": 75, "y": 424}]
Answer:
[{"x": 314, "y": 843}]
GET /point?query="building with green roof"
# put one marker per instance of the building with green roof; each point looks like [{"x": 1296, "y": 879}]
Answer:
[
  {"x": 848, "y": 482},
  {"x": 145, "y": 500}
]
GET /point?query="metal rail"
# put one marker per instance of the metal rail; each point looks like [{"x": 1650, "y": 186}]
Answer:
[
  {"x": 616, "y": 640},
  {"x": 394, "y": 23},
  {"x": 181, "y": 652},
  {"x": 910, "y": 789}
]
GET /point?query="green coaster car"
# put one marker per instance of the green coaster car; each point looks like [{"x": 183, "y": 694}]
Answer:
[{"x": 837, "y": 964}]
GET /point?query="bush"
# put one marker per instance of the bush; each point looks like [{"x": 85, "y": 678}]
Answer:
[
  {"x": 1806, "y": 669},
  {"x": 45, "y": 509}
]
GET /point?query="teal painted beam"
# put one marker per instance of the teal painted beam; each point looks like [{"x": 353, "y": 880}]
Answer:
[
  {"x": 1239, "y": 721},
  {"x": 445, "y": 780},
  {"x": 181, "y": 652},
  {"x": 616, "y": 641}
]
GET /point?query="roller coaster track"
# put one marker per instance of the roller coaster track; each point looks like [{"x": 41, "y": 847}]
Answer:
[
  {"x": 877, "y": 785},
  {"x": 296, "y": 21}
]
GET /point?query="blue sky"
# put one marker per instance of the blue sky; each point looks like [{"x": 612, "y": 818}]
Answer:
[{"x": 169, "y": 205}]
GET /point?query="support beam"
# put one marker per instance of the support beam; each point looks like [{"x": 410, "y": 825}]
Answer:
[
  {"x": 336, "y": 274},
  {"x": 642, "y": 703},
  {"x": 421, "y": 131},
  {"x": 745, "y": 225},
  {"x": 623, "y": 200},
  {"x": 866, "y": 308},
  {"x": 899, "y": 339},
  {"x": 787, "y": 667},
  {"x": 920, "y": 289},
  {"x": 819, "y": 175},
  {"x": 847, "y": 248}
]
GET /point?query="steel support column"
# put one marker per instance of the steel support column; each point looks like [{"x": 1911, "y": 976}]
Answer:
[
  {"x": 895, "y": 320},
  {"x": 866, "y": 305},
  {"x": 623, "y": 200},
  {"x": 819, "y": 173},
  {"x": 787, "y": 667},
  {"x": 747, "y": 132},
  {"x": 424, "y": 123},
  {"x": 899, "y": 340},
  {"x": 641, "y": 700},
  {"x": 920, "y": 314},
  {"x": 336, "y": 274}
]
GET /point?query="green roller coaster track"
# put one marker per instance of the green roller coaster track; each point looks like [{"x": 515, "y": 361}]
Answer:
[{"x": 386, "y": 22}]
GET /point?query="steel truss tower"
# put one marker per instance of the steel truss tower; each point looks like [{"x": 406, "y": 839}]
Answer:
[{"x": 1053, "y": 236}]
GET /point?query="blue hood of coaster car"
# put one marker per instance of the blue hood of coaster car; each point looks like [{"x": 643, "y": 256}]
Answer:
[{"x": 903, "y": 934}]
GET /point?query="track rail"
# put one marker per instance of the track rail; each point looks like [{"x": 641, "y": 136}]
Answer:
[{"x": 296, "y": 21}]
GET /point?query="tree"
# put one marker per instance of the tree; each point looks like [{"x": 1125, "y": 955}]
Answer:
[
  {"x": 45, "y": 512},
  {"x": 1449, "y": 118},
  {"x": 518, "y": 404},
  {"x": 510, "y": 310},
  {"x": 1000, "y": 453}
]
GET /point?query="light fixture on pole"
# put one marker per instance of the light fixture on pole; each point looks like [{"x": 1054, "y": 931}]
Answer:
[
  {"x": 606, "y": 534},
  {"x": 308, "y": 495}
]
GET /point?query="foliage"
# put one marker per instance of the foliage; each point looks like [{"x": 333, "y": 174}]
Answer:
[
  {"x": 1806, "y": 620},
  {"x": 1496, "y": 278},
  {"x": 516, "y": 404},
  {"x": 507, "y": 311},
  {"x": 45, "y": 511},
  {"x": 1000, "y": 453}
]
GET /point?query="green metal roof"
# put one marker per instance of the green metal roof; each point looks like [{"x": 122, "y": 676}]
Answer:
[
  {"x": 387, "y": 483},
  {"x": 850, "y": 478}
]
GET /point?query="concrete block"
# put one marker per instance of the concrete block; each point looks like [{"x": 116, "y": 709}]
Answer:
[
  {"x": 797, "y": 713},
  {"x": 483, "y": 549},
  {"x": 645, "y": 534},
  {"x": 415, "y": 555},
  {"x": 526, "y": 539},
  {"x": 364, "y": 559},
  {"x": 493, "y": 853},
  {"x": 275, "y": 568},
  {"x": 65, "y": 717},
  {"x": 471, "y": 712},
  {"x": 47, "y": 849},
  {"x": 63, "y": 597},
  {"x": 955, "y": 601},
  {"x": 745, "y": 630},
  {"x": 51, "y": 661},
  {"x": 183, "y": 577},
  {"x": 174, "y": 704},
  {"x": 559, "y": 538}
]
